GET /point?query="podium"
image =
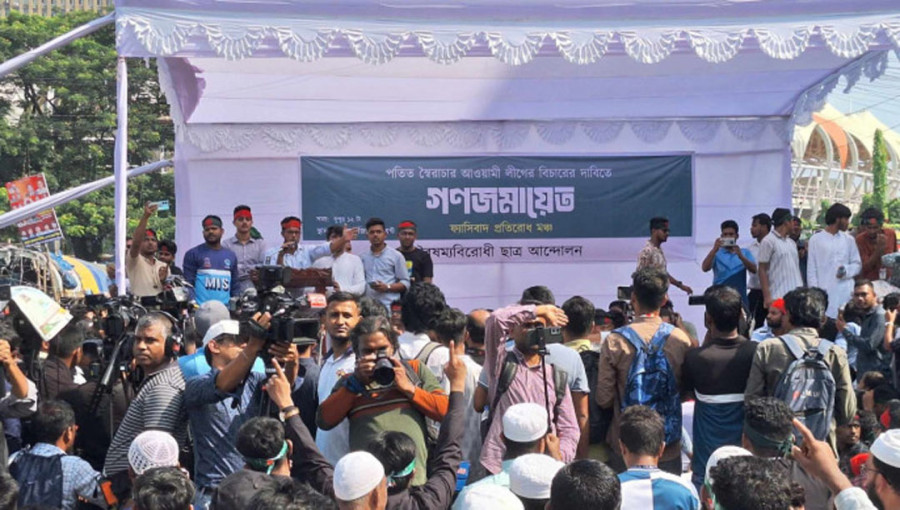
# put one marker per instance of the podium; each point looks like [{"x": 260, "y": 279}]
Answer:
[{"x": 300, "y": 278}]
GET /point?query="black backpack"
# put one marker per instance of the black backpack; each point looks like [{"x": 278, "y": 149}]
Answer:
[
  {"x": 40, "y": 479},
  {"x": 599, "y": 419}
]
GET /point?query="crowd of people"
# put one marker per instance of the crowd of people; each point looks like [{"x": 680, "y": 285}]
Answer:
[{"x": 784, "y": 398}]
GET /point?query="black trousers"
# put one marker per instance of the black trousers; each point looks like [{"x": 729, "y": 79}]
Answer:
[{"x": 757, "y": 307}]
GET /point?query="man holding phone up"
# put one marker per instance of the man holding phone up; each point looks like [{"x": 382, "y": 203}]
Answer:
[
  {"x": 144, "y": 271},
  {"x": 729, "y": 261}
]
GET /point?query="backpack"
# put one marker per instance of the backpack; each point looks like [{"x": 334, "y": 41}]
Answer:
[
  {"x": 431, "y": 433},
  {"x": 651, "y": 380},
  {"x": 807, "y": 386},
  {"x": 508, "y": 374},
  {"x": 598, "y": 419},
  {"x": 40, "y": 479},
  {"x": 426, "y": 351}
]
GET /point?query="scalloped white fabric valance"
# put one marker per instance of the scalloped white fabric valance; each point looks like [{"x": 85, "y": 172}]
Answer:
[
  {"x": 155, "y": 32},
  {"x": 315, "y": 138}
]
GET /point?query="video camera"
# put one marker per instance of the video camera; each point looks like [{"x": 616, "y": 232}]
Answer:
[
  {"x": 270, "y": 277},
  {"x": 540, "y": 336},
  {"x": 115, "y": 316},
  {"x": 293, "y": 320}
]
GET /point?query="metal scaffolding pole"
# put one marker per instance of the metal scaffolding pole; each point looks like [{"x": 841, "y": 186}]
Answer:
[
  {"x": 56, "y": 43},
  {"x": 121, "y": 167}
]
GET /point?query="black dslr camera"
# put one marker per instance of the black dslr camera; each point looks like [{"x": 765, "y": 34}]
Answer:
[
  {"x": 384, "y": 369},
  {"x": 540, "y": 336}
]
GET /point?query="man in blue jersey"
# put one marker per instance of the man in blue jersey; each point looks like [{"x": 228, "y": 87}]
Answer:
[
  {"x": 642, "y": 441},
  {"x": 211, "y": 268}
]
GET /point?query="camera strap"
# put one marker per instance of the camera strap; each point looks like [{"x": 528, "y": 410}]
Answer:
[{"x": 508, "y": 374}]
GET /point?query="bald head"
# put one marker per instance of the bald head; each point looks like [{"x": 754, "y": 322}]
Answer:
[{"x": 475, "y": 325}]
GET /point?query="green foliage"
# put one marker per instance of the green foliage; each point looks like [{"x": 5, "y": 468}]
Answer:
[
  {"x": 58, "y": 116},
  {"x": 879, "y": 171},
  {"x": 823, "y": 209},
  {"x": 893, "y": 210},
  {"x": 868, "y": 200}
]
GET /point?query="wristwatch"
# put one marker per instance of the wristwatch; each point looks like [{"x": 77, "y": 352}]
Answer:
[{"x": 288, "y": 412}]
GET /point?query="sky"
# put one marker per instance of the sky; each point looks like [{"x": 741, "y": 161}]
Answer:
[{"x": 881, "y": 97}]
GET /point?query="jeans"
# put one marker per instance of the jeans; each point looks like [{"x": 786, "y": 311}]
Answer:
[{"x": 202, "y": 498}]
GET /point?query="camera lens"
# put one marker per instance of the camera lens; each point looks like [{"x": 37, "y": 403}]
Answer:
[{"x": 384, "y": 372}]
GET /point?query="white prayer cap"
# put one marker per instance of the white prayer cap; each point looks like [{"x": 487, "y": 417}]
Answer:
[
  {"x": 151, "y": 449},
  {"x": 488, "y": 495},
  {"x": 530, "y": 475},
  {"x": 887, "y": 448},
  {"x": 356, "y": 474},
  {"x": 524, "y": 423},
  {"x": 228, "y": 327},
  {"x": 723, "y": 453}
]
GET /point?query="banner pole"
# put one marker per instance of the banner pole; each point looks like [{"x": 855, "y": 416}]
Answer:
[{"x": 121, "y": 170}]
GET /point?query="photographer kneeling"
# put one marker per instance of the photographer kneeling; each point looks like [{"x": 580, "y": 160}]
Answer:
[
  {"x": 220, "y": 401},
  {"x": 384, "y": 393}
]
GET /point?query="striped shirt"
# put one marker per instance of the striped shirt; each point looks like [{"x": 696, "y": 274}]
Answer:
[
  {"x": 157, "y": 406},
  {"x": 654, "y": 489},
  {"x": 784, "y": 264}
]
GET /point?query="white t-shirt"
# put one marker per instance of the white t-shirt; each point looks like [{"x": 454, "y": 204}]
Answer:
[{"x": 334, "y": 443}]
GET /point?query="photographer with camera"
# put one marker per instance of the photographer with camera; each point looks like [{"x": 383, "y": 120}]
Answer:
[
  {"x": 728, "y": 261},
  {"x": 220, "y": 401},
  {"x": 384, "y": 393},
  {"x": 145, "y": 273},
  {"x": 158, "y": 403},
  {"x": 523, "y": 375}
]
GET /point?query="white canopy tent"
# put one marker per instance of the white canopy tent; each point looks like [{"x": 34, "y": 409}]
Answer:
[{"x": 254, "y": 85}]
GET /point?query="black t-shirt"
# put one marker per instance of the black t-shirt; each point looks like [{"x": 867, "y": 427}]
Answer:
[
  {"x": 418, "y": 263},
  {"x": 721, "y": 367}
]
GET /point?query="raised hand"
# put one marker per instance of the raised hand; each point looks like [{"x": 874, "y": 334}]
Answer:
[
  {"x": 554, "y": 315},
  {"x": 455, "y": 370},
  {"x": 150, "y": 209},
  {"x": 278, "y": 387}
]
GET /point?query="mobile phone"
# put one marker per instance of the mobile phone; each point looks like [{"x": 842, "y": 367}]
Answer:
[{"x": 162, "y": 205}]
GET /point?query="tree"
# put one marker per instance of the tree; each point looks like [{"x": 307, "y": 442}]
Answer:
[
  {"x": 879, "y": 171},
  {"x": 58, "y": 116},
  {"x": 893, "y": 210},
  {"x": 823, "y": 208},
  {"x": 868, "y": 200}
]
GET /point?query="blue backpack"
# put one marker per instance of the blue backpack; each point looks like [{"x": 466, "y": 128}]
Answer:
[
  {"x": 651, "y": 380},
  {"x": 40, "y": 479},
  {"x": 807, "y": 386}
]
